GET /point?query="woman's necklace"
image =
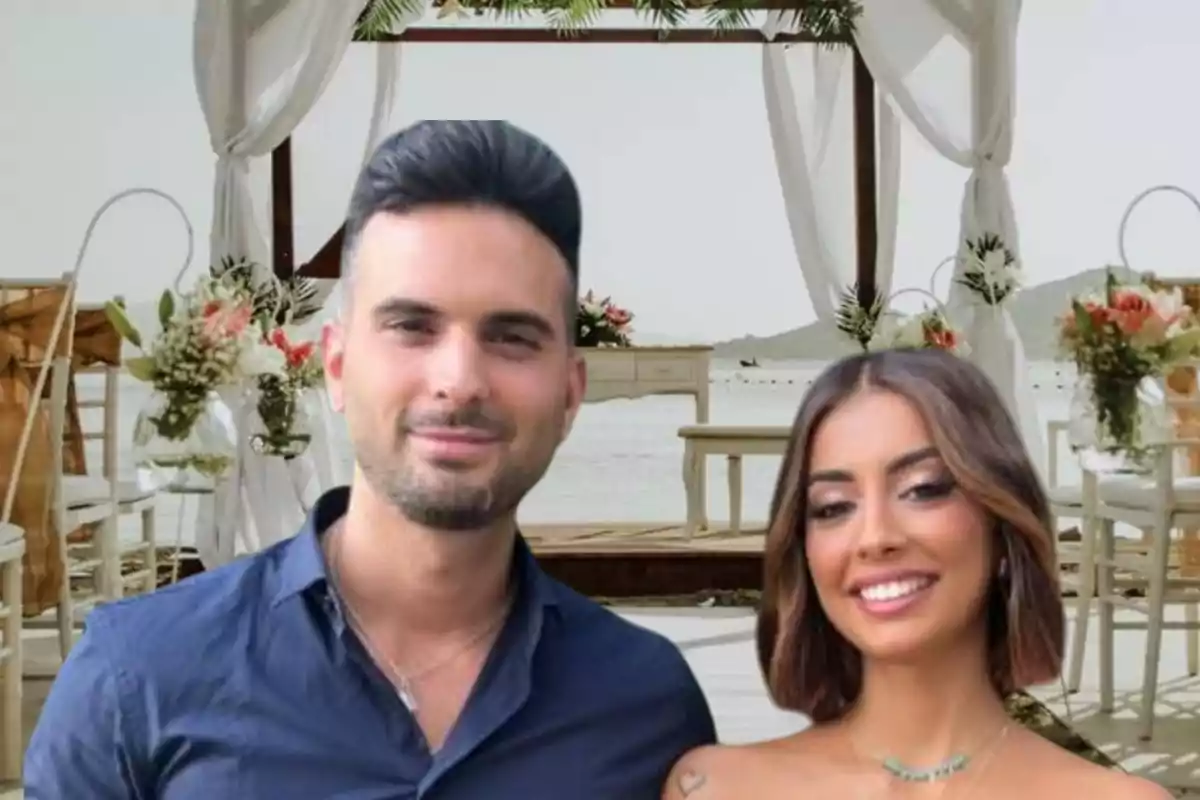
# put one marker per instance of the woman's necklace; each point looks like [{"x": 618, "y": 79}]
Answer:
[
  {"x": 948, "y": 767},
  {"x": 403, "y": 681}
]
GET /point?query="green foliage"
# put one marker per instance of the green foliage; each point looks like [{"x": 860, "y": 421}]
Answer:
[
  {"x": 290, "y": 301},
  {"x": 824, "y": 19},
  {"x": 855, "y": 321},
  {"x": 115, "y": 312},
  {"x": 166, "y": 307},
  {"x": 995, "y": 289}
]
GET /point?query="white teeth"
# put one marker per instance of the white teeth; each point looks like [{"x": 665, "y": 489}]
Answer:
[{"x": 893, "y": 589}]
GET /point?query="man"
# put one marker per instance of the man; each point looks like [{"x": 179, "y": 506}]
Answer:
[{"x": 405, "y": 644}]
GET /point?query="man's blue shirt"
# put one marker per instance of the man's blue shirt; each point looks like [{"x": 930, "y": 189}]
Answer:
[{"x": 245, "y": 683}]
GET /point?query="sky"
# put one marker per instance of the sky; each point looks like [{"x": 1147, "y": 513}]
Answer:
[{"x": 684, "y": 222}]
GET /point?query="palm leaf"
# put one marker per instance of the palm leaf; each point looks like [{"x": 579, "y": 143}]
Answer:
[
  {"x": 380, "y": 17},
  {"x": 824, "y": 19},
  {"x": 299, "y": 301},
  {"x": 990, "y": 243},
  {"x": 974, "y": 278},
  {"x": 855, "y": 321},
  {"x": 828, "y": 19},
  {"x": 725, "y": 15}
]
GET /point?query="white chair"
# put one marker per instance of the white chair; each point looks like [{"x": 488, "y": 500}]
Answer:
[
  {"x": 12, "y": 551},
  {"x": 107, "y": 488},
  {"x": 1067, "y": 500},
  {"x": 1158, "y": 504},
  {"x": 91, "y": 567}
]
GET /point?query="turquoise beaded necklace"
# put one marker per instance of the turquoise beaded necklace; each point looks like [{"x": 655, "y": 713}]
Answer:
[
  {"x": 940, "y": 771},
  {"x": 944, "y": 769}
]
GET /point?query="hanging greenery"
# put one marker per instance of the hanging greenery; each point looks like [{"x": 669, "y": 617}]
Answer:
[
  {"x": 823, "y": 19},
  {"x": 292, "y": 300},
  {"x": 854, "y": 320}
]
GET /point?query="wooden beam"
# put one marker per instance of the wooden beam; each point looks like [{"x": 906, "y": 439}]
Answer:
[
  {"x": 283, "y": 255},
  {"x": 327, "y": 263},
  {"x": 455, "y": 35},
  {"x": 865, "y": 189}
]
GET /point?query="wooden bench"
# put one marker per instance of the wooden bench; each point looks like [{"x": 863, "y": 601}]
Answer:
[{"x": 733, "y": 442}]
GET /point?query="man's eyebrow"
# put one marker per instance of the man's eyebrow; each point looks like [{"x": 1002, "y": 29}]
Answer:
[
  {"x": 527, "y": 319},
  {"x": 406, "y": 307},
  {"x": 403, "y": 307}
]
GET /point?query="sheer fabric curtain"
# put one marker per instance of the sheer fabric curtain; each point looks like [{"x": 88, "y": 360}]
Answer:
[
  {"x": 259, "y": 69},
  {"x": 809, "y": 97},
  {"x": 949, "y": 68}
]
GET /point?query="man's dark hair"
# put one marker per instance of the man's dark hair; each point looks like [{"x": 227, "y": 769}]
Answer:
[{"x": 470, "y": 162}]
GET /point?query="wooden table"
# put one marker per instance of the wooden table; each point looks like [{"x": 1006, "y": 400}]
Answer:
[
  {"x": 632, "y": 372},
  {"x": 733, "y": 442}
]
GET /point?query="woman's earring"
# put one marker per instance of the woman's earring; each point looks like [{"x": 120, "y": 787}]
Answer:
[{"x": 1003, "y": 570}]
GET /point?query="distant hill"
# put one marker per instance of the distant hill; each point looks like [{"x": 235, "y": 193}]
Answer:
[{"x": 1034, "y": 311}]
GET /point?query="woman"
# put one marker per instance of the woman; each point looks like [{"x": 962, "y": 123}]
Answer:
[{"x": 910, "y": 586}]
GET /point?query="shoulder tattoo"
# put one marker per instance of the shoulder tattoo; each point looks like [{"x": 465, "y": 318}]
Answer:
[{"x": 691, "y": 782}]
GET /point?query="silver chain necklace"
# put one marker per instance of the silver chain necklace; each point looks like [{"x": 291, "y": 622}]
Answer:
[{"x": 404, "y": 681}]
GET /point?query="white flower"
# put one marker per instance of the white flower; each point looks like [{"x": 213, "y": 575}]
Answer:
[
  {"x": 892, "y": 331},
  {"x": 911, "y": 332},
  {"x": 1168, "y": 305},
  {"x": 994, "y": 267},
  {"x": 259, "y": 358}
]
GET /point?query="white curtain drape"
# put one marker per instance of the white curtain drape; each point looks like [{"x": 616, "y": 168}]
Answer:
[
  {"x": 259, "y": 68},
  {"x": 809, "y": 96},
  {"x": 949, "y": 67}
]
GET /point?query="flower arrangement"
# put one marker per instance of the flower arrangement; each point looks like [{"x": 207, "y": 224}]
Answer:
[
  {"x": 279, "y": 396},
  {"x": 992, "y": 273},
  {"x": 877, "y": 328},
  {"x": 601, "y": 323},
  {"x": 1117, "y": 339},
  {"x": 275, "y": 301},
  {"x": 208, "y": 339},
  {"x": 277, "y": 304},
  {"x": 928, "y": 329}
]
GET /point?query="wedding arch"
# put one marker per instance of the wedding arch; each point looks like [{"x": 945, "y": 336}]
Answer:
[
  {"x": 262, "y": 64},
  {"x": 833, "y": 111},
  {"x": 390, "y": 23}
]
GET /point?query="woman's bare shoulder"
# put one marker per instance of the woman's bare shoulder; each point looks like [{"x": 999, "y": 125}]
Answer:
[
  {"x": 1077, "y": 776},
  {"x": 734, "y": 772},
  {"x": 713, "y": 772},
  {"x": 1108, "y": 784}
]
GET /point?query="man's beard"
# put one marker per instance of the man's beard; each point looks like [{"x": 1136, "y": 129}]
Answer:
[{"x": 441, "y": 497}]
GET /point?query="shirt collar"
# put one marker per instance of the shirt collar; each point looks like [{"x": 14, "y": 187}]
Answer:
[{"x": 302, "y": 562}]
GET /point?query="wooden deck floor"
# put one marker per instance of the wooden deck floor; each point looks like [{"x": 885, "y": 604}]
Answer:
[
  {"x": 648, "y": 559},
  {"x": 629, "y": 537}
]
